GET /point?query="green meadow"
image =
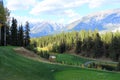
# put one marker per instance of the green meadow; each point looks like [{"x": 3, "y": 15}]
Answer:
[{"x": 14, "y": 66}]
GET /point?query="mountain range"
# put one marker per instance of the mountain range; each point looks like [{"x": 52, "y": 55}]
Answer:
[
  {"x": 45, "y": 28},
  {"x": 103, "y": 21}
]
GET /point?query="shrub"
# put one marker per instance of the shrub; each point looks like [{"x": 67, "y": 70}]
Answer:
[
  {"x": 44, "y": 54},
  {"x": 32, "y": 48},
  {"x": 118, "y": 66},
  {"x": 102, "y": 66}
]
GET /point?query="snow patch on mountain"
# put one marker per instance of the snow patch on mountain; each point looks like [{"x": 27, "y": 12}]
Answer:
[
  {"x": 102, "y": 14},
  {"x": 104, "y": 21},
  {"x": 45, "y": 28}
]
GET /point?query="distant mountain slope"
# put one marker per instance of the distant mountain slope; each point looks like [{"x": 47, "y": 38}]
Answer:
[
  {"x": 45, "y": 28},
  {"x": 108, "y": 20},
  {"x": 105, "y": 20}
]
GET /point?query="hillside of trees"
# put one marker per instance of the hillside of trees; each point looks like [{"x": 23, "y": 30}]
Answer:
[{"x": 85, "y": 43}]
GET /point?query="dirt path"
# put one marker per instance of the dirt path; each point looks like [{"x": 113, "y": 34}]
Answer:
[
  {"x": 25, "y": 52},
  {"x": 30, "y": 54}
]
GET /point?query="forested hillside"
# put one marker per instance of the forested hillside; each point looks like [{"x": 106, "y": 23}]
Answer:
[{"x": 85, "y": 43}]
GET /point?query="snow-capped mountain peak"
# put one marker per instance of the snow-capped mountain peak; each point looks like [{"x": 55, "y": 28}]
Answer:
[
  {"x": 108, "y": 20},
  {"x": 45, "y": 28},
  {"x": 100, "y": 20}
]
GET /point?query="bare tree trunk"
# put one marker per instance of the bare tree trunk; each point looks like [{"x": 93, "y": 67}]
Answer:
[{"x": 0, "y": 35}]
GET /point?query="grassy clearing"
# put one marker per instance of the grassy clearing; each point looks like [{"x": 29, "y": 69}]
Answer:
[
  {"x": 16, "y": 67},
  {"x": 80, "y": 61},
  {"x": 71, "y": 59}
]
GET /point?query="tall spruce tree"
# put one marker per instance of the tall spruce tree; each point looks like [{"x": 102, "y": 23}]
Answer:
[
  {"x": 20, "y": 36},
  {"x": 115, "y": 49},
  {"x": 7, "y": 26},
  {"x": 98, "y": 48},
  {"x": 14, "y": 37},
  {"x": 8, "y": 41},
  {"x": 78, "y": 48},
  {"x": 27, "y": 34}
]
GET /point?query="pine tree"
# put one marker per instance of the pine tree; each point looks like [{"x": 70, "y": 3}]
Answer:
[
  {"x": 62, "y": 47},
  {"x": 7, "y": 26},
  {"x": 115, "y": 48},
  {"x": 14, "y": 31},
  {"x": 27, "y": 35},
  {"x": 8, "y": 35},
  {"x": 98, "y": 48},
  {"x": 78, "y": 46},
  {"x": 20, "y": 36}
]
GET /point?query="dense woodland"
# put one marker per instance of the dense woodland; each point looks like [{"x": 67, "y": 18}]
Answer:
[
  {"x": 10, "y": 32},
  {"x": 85, "y": 43}
]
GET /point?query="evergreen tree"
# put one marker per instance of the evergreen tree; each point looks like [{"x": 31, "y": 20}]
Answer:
[
  {"x": 118, "y": 66},
  {"x": 7, "y": 26},
  {"x": 20, "y": 36},
  {"x": 98, "y": 48},
  {"x": 8, "y": 39},
  {"x": 78, "y": 46},
  {"x": 115, "y": 48},
  {"x": 2, "y": 34},
  {"x": 27, "y": 35},
  {"x": 14, "y": 37},
  {"x": 62, "y": 47},
  {"x": 2, "y": 14}
]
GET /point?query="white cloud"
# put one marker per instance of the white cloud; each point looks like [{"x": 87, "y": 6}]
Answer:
[
  {"x": 23, "y": 19},
  {"x": 112, "y": 27},
  {"x": 48, "y": 6},
  {"x": 55, "y": 6},
  {"x": 70, "y": 13},
  {"x": 63, "y": 8},
  {"x": 95, "y": 3},
  {"x": 62, "y": 20},
  {"x": 20, "y": 4}
]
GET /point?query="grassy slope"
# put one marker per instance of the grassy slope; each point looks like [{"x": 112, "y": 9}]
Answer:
[
  {"x": 78, "y": 61},
  {"x": 17, "y": 67},
  {"x": 70, "y": 59},
  {"x": 86, "y": 75}
]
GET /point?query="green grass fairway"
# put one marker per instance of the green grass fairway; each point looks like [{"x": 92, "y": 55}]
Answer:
[
  {"x": 70, "y": 59},
  {"x": 86, "y": 75},
  {"x": 16, "y": 67}
]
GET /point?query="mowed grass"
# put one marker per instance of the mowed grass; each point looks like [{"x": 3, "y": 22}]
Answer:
[
  {"x": 16, "y": 67},
  {"x": 71, "y": 59},
  {"x": 86, "y": 75}
]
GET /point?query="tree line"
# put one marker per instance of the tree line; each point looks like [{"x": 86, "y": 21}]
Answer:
[
  {"x": 14, "y": 34},
  {"x": 85, "y": 43},
  {"x": 17, "y": 35}
]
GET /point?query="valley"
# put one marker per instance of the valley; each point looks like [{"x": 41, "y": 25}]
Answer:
[{"x": 60, "y": 40}]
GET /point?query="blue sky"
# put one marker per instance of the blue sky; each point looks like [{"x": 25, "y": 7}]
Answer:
[{"x": 60, "y": 11}]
